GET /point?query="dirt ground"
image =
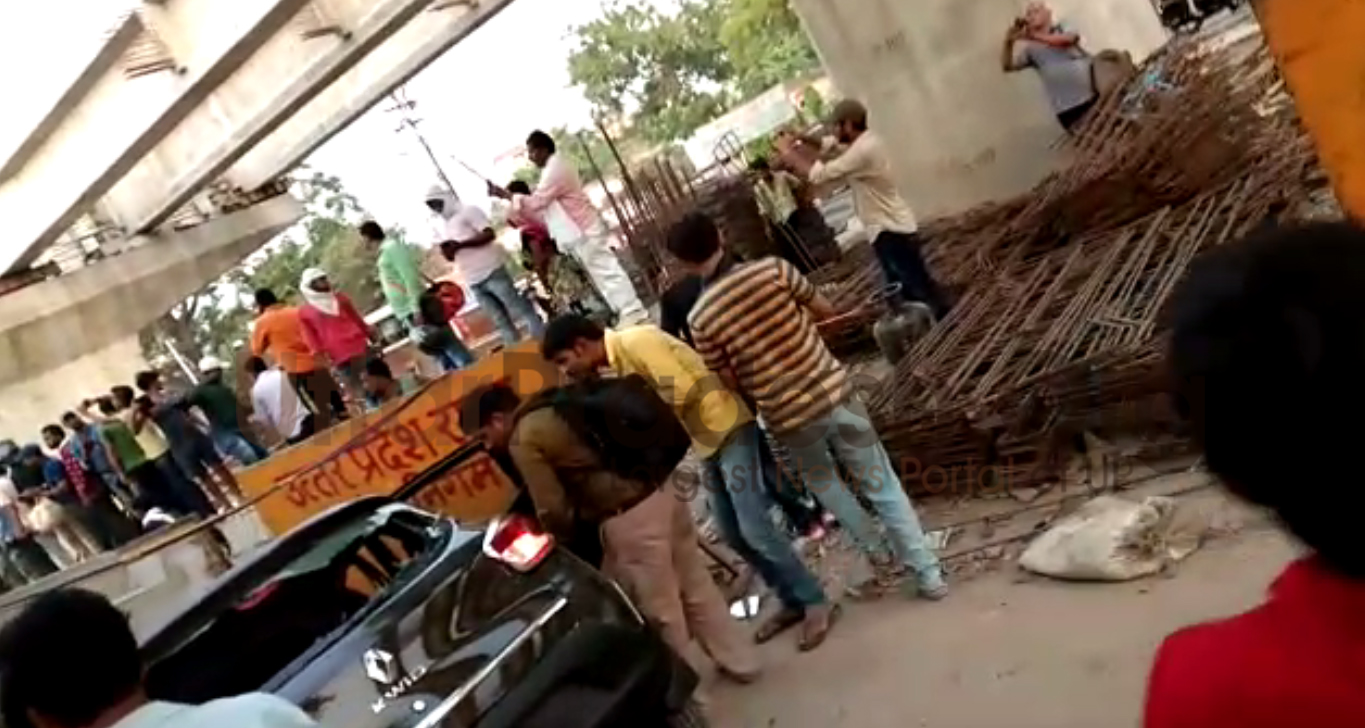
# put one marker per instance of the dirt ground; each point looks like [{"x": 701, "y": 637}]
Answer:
[{"x": 1007, "y": 649}]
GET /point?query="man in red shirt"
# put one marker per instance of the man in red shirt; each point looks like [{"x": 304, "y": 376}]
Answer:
[
  {"x": 334, "y": 330},
  {"x": 1268, "y": 358},
  {"x": 278, "y": 334}
]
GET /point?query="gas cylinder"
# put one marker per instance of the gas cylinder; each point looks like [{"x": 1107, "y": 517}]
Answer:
[{"x": 903, "y": 324}]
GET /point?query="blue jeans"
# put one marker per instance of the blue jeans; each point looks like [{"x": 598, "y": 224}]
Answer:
[
  {"x": 742, "y": 503},
  {"x": 238, "y": 446},
  {"x": 498, "y": 296},
  {"x": 449, "y": 351},
  {"x": 848, "y": 432}
]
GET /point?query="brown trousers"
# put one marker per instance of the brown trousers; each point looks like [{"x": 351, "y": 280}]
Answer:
[{"x": 652, "y": 550}]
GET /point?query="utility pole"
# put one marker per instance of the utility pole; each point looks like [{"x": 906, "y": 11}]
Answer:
[{"x": 404, "y": 107}]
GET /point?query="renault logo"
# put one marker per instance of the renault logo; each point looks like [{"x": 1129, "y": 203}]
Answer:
[{"x": 381, "y": 667}]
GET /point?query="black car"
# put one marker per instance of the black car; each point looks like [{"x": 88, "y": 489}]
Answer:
[{"x": 379, "y": 615}]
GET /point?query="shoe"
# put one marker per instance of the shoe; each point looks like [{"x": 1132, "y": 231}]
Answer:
[
  {"x": 931, "y": 587},
  {"x": 933, "y": 593}
]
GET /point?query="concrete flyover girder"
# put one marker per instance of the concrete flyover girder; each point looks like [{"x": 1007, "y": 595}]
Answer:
[
  {"x": 210, "y": 125},
  {"x": 64, "y": 318},
  {"x": 394, "y": 62},
  {"x": 121, "y": 118},
  {"x": 104, "y": 60},
  {"x": 323, "y": 36}
]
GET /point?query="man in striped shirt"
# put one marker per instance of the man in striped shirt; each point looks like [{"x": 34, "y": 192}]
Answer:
[{"x": 755, "y": 326}]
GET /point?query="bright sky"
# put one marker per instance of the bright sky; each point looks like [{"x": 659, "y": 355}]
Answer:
[{"x": 477, "y": 101}]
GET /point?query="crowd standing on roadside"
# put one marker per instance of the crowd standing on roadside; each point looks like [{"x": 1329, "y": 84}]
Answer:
[{"x": 739, "y": 361}]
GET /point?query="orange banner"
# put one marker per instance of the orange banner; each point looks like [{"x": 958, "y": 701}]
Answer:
[
  {"x": 391, "y": 447},
  {"x": 1318, "y": 46}
]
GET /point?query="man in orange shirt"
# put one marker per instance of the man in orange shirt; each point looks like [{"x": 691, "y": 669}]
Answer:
[{"x": 278, "y": 335}]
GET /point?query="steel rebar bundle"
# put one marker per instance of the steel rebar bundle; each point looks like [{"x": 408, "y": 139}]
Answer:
[{"x": 1058, "y": 328}]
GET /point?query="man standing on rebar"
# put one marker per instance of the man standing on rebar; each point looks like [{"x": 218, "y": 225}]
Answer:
[
  {"x": 467, "y": 240},
  {"x": 794, "y": 221},
  {"x": 890, "y": 223},
  {"x": 575, "y": 225}
]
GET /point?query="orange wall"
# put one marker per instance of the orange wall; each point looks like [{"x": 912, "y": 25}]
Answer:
[{"x": 1320, "y": 47}]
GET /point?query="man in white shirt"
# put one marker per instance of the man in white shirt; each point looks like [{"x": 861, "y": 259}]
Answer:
[
  {"x": 480, "y": 261},
  {"x": 889, "y": 221},
  {"x": 71, "y": 661},
  {"x": 277, "y": 404}
]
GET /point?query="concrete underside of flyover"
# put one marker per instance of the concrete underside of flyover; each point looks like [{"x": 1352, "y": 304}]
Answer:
[{"x": 75, "y": 335}]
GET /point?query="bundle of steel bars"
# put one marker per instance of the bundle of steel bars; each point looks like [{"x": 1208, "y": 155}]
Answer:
[{"x": 1058, "y": 329}]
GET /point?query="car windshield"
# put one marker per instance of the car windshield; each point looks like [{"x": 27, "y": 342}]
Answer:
[{"x": 256, "y": 625}]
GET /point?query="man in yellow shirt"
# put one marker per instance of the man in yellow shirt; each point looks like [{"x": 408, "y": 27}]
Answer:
[{"x": 725, "y": 434}]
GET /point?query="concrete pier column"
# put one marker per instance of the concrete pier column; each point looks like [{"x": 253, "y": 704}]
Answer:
[{"x": 961, "y": 130}]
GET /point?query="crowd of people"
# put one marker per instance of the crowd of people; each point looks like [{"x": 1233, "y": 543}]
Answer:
[
  {"x": 1266, "y": 332},
  {"x": 117, "y": 466},
  {"x": 739, "y": 362}
]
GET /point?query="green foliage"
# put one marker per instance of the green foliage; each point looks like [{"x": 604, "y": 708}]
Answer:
[
  {"x": 668, "y": 74},
  {"x": 217, "y": 320},
  {"x": 766, "y": 43},
  {"x": 813, "y": 107},
  {"x": 530, "y": 174}
]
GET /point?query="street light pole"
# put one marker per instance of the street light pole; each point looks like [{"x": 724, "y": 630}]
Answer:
[{"x": 404, "y": 108}]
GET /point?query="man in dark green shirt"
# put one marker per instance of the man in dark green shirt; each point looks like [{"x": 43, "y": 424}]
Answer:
[{"x": 224, "y": 413}]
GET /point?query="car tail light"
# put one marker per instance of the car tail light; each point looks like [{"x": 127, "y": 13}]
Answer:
[{"x": 517, "y": 542}]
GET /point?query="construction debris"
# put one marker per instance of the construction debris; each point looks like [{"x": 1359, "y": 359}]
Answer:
[
  {"x": 1057, "y": 325},
  {"x": 1057, "y": 329}
]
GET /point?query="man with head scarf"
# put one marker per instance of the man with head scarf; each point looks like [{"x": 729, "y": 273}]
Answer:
[
  {"x": 334, "y": 330},
  {"x": 575, "y": 225},
  {"x": 467, "y": 240}
]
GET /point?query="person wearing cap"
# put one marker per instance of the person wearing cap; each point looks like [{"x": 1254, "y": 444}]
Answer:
[
  {"x": 224, "y": 413},
  {"x": 334, "y": 330},
  {"x": 467, "y": 240},
  {"x": 866, "y": 168}
]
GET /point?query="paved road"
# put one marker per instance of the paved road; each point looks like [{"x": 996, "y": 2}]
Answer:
[{"x": 1001, "y": 653}]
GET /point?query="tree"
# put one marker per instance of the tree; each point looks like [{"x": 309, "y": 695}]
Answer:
[
  {"x": 530, "y": 174},
  {"x": 665, "y": 75},
  {"x": 766, "y": 43},
  {"x": 217, "y": 319}
]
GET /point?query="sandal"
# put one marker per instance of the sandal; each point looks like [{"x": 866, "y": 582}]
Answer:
[
  {"x": 777, "y": 624},
  {"x": 813, "y": 634}
]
